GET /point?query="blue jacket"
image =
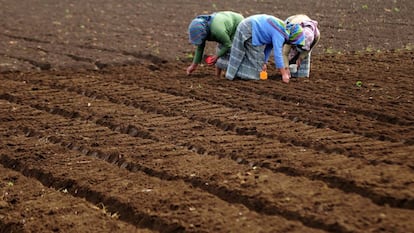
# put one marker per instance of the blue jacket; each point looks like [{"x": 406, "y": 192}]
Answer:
[{"x": 270, "y": 31}]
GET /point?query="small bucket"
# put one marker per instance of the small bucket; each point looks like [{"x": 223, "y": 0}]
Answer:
[
  {"x": 209, "y": 60},
  {"x": 263, "y": 75},
  {"x": 293, "y": 68}
]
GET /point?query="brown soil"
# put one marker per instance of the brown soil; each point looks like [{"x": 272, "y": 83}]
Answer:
[{"x": 102, "y": 130}]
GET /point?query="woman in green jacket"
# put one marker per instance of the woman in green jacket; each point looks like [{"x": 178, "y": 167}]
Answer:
[{"x": 219, "y": 27}]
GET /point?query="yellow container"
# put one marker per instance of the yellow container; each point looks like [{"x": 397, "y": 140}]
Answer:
[{"x": 263, "y": 75}]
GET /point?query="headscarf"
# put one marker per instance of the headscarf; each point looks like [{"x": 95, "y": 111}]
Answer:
[
  {"x": 293, "y": 33},
  {"x": 296, "y": 34},
  {"x": 279, "y": 25},
  {"x": 199, "y": 29},
  {"x": 310, "y": 28}
]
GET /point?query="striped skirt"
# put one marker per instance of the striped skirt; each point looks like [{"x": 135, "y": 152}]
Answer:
[
  {"x": 223, "y": 61},
  {"x": 304, "y": 68},
  {"x": 246, "y": 60}
]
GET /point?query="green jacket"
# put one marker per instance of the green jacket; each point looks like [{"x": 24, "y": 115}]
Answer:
[{"x": 222, "y": 30}]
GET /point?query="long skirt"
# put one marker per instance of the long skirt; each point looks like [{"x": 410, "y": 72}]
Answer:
[
  {"x": 223, "y": 61},
  {"x": 304, "y": 69},
  {"x": 246, "y": 60}
]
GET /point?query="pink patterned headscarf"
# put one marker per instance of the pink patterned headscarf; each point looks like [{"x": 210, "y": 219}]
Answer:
[{"x": 310, "y": 28}]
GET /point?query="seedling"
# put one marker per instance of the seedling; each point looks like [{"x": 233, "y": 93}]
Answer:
[{"x": 190, "y": 56}]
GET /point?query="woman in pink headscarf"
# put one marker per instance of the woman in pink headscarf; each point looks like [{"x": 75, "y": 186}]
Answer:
[{"x": 301, "y": 55}]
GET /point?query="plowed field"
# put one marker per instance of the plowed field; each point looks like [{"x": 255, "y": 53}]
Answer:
[{"x": 102, "y": 131}]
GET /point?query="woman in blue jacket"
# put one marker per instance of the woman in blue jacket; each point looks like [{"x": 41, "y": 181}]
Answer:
[{"x": 255, "y": 38}]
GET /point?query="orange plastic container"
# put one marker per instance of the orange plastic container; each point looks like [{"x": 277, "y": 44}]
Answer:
[{"x": 263, "y": 75}]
